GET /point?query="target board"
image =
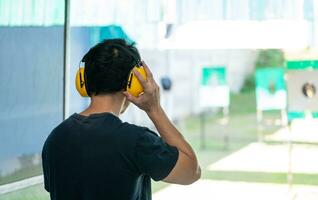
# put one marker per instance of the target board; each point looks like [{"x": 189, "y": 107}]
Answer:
[
  {"x": 214, "y": 91},
  {"x": 302, "y": 90},
  {"x": 270, "y": 89}
]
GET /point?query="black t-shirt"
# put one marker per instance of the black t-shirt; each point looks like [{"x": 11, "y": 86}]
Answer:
[{"x": 99, "y": 157}]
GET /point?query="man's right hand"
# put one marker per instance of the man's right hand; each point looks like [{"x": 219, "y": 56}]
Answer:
[
  {"x": 149, "y": 100},
  {"x": 187, "y": 169}
]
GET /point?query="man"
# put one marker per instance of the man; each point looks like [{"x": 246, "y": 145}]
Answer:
[{"x": 93, "y": 155}]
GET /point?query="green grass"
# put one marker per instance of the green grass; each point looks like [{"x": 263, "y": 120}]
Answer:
[
  {"x": 241, "y": 130},
  {"x": 36, "y": 192},
  {"x": 23, "y": 173}
]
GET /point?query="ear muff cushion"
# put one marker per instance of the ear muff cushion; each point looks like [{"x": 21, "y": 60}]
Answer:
[
  {"x": 80, "y": 82},
  {"x": 133, "y": 86}
]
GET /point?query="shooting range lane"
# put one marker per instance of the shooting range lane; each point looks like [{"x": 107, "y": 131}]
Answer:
[
  {"x": 301, "y": 131},
  {"x": 261, "y": 157},
  {"x": 208, "y": 189}
]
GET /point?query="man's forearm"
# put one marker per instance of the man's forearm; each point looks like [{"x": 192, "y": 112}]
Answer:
[{"x": 169, "y": 133}]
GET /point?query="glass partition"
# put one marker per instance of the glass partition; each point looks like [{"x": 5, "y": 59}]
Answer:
[{"x": 31, "y": 83}]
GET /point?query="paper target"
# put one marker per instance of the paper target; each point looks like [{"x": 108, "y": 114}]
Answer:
[{"x": 302, "y": 89}]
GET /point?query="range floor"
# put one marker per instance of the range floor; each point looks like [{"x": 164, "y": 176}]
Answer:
[
  {"x": 260, "y": 157},
  {"x": 304, "y": 131},
  {"x": 256, "y": 157},
  {"x": 225, "y": 190}
]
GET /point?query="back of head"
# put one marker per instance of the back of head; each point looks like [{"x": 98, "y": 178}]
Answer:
[{"x": 107, "y": 66}]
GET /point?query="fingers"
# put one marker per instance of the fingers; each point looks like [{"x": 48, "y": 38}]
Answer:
[
  {"x": 148, "y": 72},
  {"x": 140, "y": 78}
]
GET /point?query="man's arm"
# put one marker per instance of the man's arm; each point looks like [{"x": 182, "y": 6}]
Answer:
[{"x": 186, "y": 170}]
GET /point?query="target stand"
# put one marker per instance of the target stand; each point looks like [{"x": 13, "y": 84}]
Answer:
[{"x": 302, "y": 100}]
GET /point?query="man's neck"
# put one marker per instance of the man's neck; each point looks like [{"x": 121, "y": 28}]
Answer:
[{"x": 104, "y": 103}]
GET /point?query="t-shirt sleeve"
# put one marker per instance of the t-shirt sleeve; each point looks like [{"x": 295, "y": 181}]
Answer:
[{"x": 154, "y": 157}]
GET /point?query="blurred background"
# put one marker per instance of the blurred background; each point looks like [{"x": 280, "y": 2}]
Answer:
[{"x": 239, "y": 78}]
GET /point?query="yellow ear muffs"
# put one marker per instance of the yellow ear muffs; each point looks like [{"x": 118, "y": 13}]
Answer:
[
  {"x": 80, "y": 82},
  {"x": 133, "y": 86}
]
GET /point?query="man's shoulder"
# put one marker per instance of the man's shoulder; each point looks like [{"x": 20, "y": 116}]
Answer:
[
  {"x": 60, "y": 129},
  {"x": 132, "y": 133},
  {"x": 63, "y": 126},
  {"x": 129, "y": 136},
  {"x": 136, "y": 129}
]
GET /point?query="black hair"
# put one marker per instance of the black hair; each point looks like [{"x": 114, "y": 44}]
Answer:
[{"x": 107, "y": 66}]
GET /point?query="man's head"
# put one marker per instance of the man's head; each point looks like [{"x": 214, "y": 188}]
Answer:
[{"x": 107, "y": 66}]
